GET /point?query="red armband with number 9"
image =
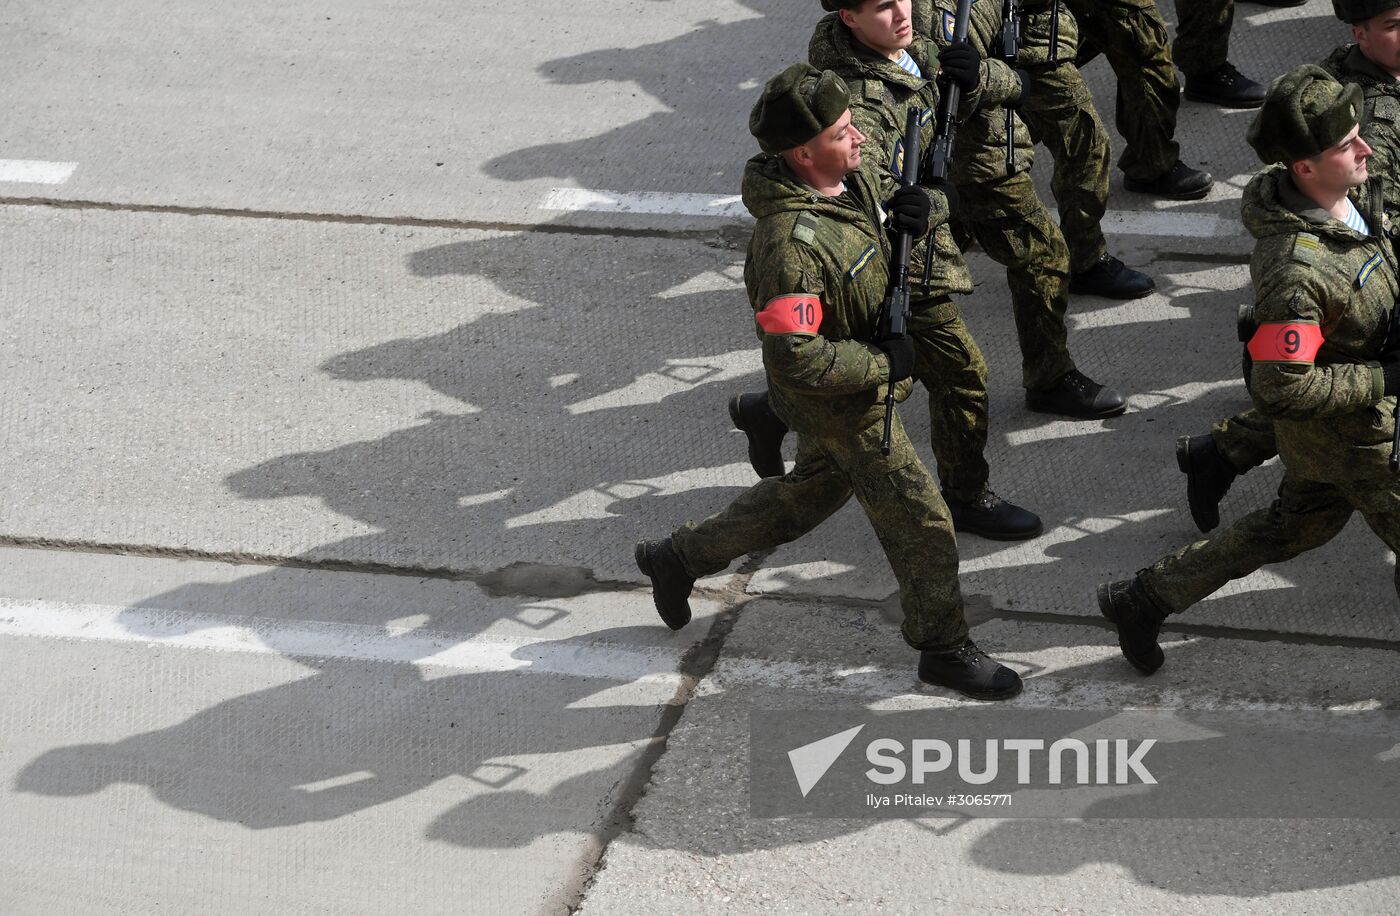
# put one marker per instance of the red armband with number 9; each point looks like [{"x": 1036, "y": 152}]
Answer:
[
  {"x": 791, "y": 314},
  {"x": 1285, "y": 342}
]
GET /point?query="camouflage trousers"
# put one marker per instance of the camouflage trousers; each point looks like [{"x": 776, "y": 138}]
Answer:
[
  {"x": 899, "y": 497},
  {"x": 1246, "y": 440},
  {"x": 1013, "y": 227},
  {"x": 1060, "y": 115},
  {"x": 949, "y": 363},
  {"x": 1133, "y": 36},
  {"x": 1305, "y": 515},
  {"x": 1202, "y": 34}
]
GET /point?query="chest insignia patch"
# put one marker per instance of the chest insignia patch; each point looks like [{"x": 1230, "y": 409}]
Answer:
[
  {"x": 1367, "y": 269},
  {"x": 861, "y": 262}
]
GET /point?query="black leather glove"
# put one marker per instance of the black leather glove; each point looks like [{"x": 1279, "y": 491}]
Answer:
[
  {"x": 1390, "y": 369},
  {"x": 1024, "y": 95},
  {"x": 961, "y": 64},
  {"x": 900, "y": 351},
  {"x": 908, "y": 211},
  {"x": 950, "y": 194}
]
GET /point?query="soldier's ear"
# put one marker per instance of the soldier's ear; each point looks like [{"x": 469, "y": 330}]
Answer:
[
  {"x": 1301, "y": 168},
  {"x": 1357, "y": 30}
]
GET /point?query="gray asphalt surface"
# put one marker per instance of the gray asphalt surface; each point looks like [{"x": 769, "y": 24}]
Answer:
[{"x": 332, "y": 415}]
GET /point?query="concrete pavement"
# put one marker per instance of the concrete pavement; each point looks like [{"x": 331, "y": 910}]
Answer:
[{"x": 326, "y": 441}]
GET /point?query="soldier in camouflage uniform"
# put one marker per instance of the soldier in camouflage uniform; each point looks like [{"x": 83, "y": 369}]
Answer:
[
  {"x": 1323, "y": 364},
  {"x": 1243, "y": 442},
  {"x": 1052, "y": 101},
  {"x": 816, "y": 274},
  {"x": 1133, "y": 36},
  {"x": 950, "y": 364},
  {"x": 1001, "y": 209}
]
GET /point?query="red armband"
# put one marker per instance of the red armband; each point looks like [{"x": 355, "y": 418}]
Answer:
[
  {"x": 1285, "y": 342},
  {"x": 791, "y": 314}
]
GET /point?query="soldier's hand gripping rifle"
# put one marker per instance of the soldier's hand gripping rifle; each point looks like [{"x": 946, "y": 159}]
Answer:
[
  {"x": 894, "y": 311},
  {"x": 940, "y": 153},
  {"x": 1008, "y": 47}
]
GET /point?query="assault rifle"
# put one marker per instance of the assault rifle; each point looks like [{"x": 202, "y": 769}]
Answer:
[
  {"x": 940, "y": 153},
  {"x": 1009, "y": 46},
  {"x": 894, "y": 311}
]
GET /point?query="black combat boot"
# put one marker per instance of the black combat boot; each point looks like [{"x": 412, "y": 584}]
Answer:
[
  {"x": 1225, "y": 86},
  {"x": 1180, "y": 182},
  {"x": 764, "y": 430},
  {"x": 1208, "y": 478},
  {"x": 990, "y": 516},
  {"x": 969, "y": 671},
  {"x": 1112, "y": 279},
  {"x": 1138, "y": 621},
  {"x": 1078, "y": 397},
  {"x": 670, "y": 583}
]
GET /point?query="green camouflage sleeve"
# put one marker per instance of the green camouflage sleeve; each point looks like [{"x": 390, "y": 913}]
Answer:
[
  {"x": 1291, "y": 298},
  {"x": 810, "y": 361}
]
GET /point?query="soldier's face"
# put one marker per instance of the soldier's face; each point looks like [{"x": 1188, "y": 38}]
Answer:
[
  {"x": 1379, "y": 39},
  {"x": 882, "y": 25},
  {"x": 835, "y": 152},
  {"x": 1342, "y": 166}
]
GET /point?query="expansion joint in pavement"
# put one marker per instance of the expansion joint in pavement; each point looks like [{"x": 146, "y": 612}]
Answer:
[
  {"x": 695, "y": 666},
  {"x": 358, "y": 219}
]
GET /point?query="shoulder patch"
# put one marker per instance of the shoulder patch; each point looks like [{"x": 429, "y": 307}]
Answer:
[
  {"x": 1367, "y": 269},
  {"x": 805, "y": 229},
  {"x": 1306, "y": 248},
  {"x": 1386, "y": 108},
  {"x": 860, "y": 263},
  {"x": 948, "y": 21}
]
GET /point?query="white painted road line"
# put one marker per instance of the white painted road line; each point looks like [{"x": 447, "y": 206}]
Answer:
[
  {"x": 1168, "y": 223},
  {"x": 654, "y": 202},
  {"x": 317, "y": 639},
  {"x": 35, "y": 171}
]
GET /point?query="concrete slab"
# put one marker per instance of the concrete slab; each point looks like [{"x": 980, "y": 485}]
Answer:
[
  {"x": 151, "y": 755},
  {"x": 366, "y": 394}
]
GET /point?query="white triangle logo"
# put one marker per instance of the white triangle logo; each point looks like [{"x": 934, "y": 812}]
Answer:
[{"x": 811, "y": 761}]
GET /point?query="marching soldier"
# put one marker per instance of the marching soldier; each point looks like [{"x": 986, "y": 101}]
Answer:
[
  {"x": 872, "y": 46},
  {"x": 1240, "y": 443},
  {"x": 816, "y": 274},
  {"x": 1323, "y": 361}
]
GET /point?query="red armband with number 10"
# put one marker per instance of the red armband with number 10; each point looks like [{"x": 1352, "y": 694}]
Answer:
[
  {"x": 792, "y": 314},
  {"x": 1285, "y": 342}
]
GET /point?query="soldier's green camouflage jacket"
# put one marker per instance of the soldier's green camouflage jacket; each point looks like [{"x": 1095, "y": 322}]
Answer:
[
  {"x": 881, "y": 94},
  {"x": 1380, "y": 126},
  {"x": 1310, "y": 270},
  {"x": 980, "y": 152},
  {"x": 835, "y": 250}
]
